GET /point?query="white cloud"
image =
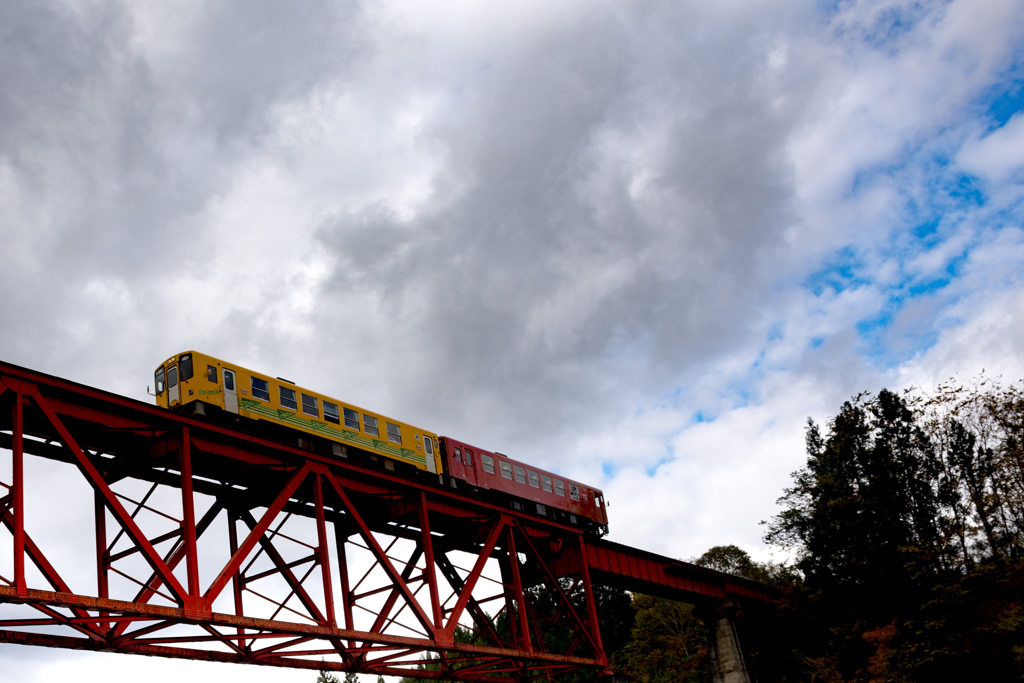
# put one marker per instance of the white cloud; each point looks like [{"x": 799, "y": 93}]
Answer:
[{"x": 997, "y": 156}]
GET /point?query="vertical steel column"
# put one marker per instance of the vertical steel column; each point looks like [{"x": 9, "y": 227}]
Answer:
[
  {"x": 430, "y": 571},
  {"x": 346, "y": 590},
  {"x": 188, "y": 513},
  {"x": 325, "y": 557},
  {"x": 517, "y": 584},
  {"x": 19, "y": 495},
  {"x": 102, "y": 575},
  {"x": 236, "y": 585},
  {"x": 508, "y": 590},
  {"x": 588, "y": 591}
]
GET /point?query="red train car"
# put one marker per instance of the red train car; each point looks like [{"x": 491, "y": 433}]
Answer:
[{"x": 524, "y": 486}]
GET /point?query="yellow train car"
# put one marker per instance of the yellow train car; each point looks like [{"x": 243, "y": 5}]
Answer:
[{"x": 190, "y": 381}]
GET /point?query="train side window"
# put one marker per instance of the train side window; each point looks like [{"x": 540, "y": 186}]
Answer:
[
  {"x": 394, "y": 432},
  {"x": 211, "y": 374},
  {"x": 158, "y": 380},
  {"x": 488, "y": 462},
  {"x": 309, "y": 406},
  {"x": 560, "y": 488},
  {"x": 520, "y": 474},
  {"x": 506, "y": 469},
  {"x": 287, "y": 397},
  {"x": 260, "y": 389},
  {"x": 331, "y": 413},
  {"x": 574, "y": 492},
  {"x": 545, "y": 482},
  {"x": 186, "y": 367},
  {"x": 229, "y": 381},
  {"x": 370, "y": 425},
  {"x": 172, "y": 376},
  {"x": 458, "y": 455},
  {"x": 534, "y": 480},
  {"x": 469, "y": 458},
  {"x": 351, "y": 419}
]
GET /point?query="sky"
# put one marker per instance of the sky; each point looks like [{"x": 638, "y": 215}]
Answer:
[{"x": 636, "y": 243}]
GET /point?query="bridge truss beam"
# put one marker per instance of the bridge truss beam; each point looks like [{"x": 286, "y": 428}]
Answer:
[
  {"x": 212, "y": 543},
  {"x": 309, "y": 562}
]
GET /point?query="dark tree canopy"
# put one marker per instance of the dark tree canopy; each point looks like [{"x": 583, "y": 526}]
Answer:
[{"x": 906, "y": 526}]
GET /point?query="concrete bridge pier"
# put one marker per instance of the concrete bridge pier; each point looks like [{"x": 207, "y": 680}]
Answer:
[{"x": 724, "y": 651}]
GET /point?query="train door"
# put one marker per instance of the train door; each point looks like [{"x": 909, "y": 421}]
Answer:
[
  {"x": 230, "y": 392},
  {"x": 428, "y": 446},
  {"x": 173, "y": 396}
]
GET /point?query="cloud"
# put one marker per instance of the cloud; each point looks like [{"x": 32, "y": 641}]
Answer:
[
  {"x": 638, "y": 244},
  {"x": 997, "y": 155}
]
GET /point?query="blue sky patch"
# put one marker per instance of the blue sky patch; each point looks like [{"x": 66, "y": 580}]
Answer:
[
  {"x": 838, "y": 275},
  {"x": 1003, "y": 106},
  {"x": 653, "y": 469}
]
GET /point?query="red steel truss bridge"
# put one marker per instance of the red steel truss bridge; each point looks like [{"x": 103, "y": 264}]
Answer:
[{"x": 127, "y": 528}]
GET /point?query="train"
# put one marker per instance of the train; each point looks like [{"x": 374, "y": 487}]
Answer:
[{"x": 203, "y": 386}]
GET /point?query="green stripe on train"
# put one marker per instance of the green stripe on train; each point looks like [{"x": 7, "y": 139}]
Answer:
[{"x": 289, "y": 418}]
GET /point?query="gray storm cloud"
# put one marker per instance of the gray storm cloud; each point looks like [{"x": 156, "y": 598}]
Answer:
[{"x": 609, "y": 212}]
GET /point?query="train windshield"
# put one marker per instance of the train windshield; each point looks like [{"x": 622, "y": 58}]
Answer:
[
  {"x": 158, "y": 380},
  {"x": 185, "y": 362}
]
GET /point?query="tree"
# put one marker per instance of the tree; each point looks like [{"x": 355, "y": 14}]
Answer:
[
  {"x": 669, "y": 643},
  {"x": 731, "y": 559},
  {"x": 327, "y": 677},
  {"x": 906, "y": 522},
  {"x": 863, "y": 514}
]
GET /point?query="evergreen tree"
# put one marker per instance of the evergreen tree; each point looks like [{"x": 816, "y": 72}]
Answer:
[
  {"x": 906, "y": 523},
  {"x": 863, "y": 513}
]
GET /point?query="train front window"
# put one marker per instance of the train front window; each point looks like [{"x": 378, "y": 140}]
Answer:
[
  {"x": 158, "y": 380},
  {"x": 469, "y": 457},
  {"x": 351, "y": 419},
  {"x": 172, "y": 377},
  {"x": 185, "y": 362},
  {"x": 394, "y": 432},
  {"x": 488, "y": 462},
  {"x": 331, "y": 412},
  {"x": 545, "y": 482},
  {"x": 260, "y": 389},
  {"x": 506, "y": 469},
  {"x": 520, "y": 474},
  {"x": 287, "y": 397},
  {"x": 309, "y": 406},
  {"x": 370, "y": 425}
]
